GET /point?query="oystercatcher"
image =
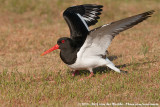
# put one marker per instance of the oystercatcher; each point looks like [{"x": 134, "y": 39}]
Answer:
[{"x": 86, "y": 49}]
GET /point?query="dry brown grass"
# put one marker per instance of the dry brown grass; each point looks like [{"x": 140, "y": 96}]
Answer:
[{"x": 29, "y": 79}]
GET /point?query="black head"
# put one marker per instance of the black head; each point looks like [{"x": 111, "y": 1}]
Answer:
[
  {"x": 68, "y": 50},
  {"x": 64, "y": 43}
]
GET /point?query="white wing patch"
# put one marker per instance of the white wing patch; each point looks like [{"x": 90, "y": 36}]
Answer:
[
  {"x": 88, "y": 19},
  {"x": 93, "y": 12},
  {"x": 106, "y": 25},
  {"x": 83, "y": 21},
  {"x": 91, "y": 16}
]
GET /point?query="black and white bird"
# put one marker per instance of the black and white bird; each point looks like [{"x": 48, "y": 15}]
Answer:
[{"x": 85, "y": 49}]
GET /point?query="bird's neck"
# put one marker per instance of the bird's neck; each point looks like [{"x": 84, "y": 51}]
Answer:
[{"x": 68, "y": 56}]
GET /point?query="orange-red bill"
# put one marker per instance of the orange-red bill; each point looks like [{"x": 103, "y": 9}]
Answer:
[{"x": 50, "y": 50}]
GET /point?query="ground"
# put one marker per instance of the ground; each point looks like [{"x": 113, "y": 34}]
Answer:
[{"x": 30, "y": 27}]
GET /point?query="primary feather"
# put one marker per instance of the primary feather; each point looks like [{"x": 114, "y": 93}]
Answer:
[{"x": 100, "y": 38}]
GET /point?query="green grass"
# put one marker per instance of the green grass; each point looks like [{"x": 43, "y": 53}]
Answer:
[
  {"x": 59, "y": 89},
  {"x": 49, "y": 88},
  {"x": 29, "y": 27},
  {"x": 145, "y": 48}
]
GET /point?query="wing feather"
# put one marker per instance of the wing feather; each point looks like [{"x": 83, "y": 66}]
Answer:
[
  {"x": 100, "y": 38},
  {"x": 79, "y": 18}
]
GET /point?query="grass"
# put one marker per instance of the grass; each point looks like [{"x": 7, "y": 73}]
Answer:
[
  {"x": 30, "y": 27},
  {"x": 145, "y": 48}
]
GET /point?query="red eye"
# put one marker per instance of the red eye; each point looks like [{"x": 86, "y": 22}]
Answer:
[{"x": 62, "y": 41}]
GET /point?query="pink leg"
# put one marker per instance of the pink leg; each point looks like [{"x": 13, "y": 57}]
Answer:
[
  {"x": 91, "y": 75},
  {"x": 75, "y": 72}
]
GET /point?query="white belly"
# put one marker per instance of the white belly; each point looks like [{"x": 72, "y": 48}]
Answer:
[{"x": 87, "y": 62}]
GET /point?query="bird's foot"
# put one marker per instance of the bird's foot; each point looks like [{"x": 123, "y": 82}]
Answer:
[
  {"x": 76, "y": 72},
  {"x": 91, "y": 75}
]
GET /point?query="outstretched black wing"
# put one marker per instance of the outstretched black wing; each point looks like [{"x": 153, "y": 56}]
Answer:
[{"x": 80, "y": 17}]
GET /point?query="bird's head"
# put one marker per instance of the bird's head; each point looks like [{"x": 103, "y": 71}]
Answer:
[{"x": 62, "y": 43}]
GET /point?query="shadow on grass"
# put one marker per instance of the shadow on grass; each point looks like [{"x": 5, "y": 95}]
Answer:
[
  {"x": 138, "y": 64},
  {"x": 98, "y": 70},
  {"x": 113, "y": 57}
]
